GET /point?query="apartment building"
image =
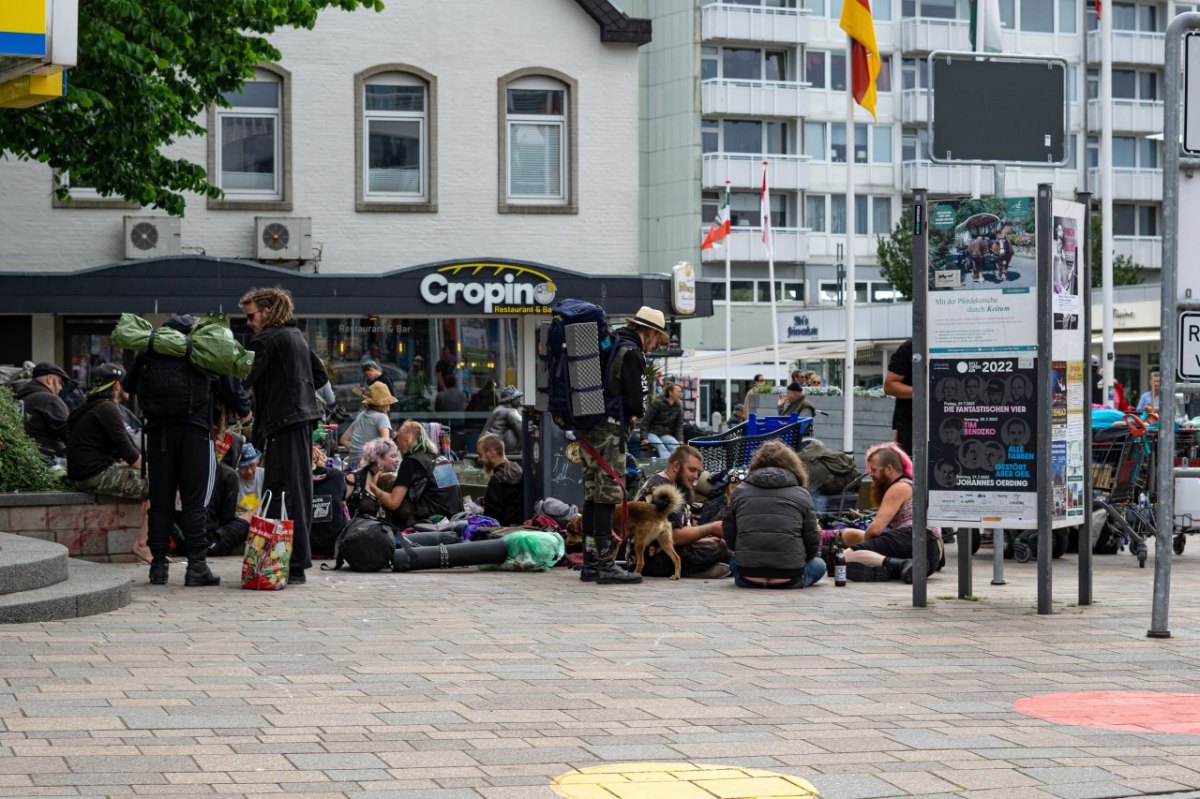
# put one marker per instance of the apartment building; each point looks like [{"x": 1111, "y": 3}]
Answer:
[{"x": 726, "y": 83}]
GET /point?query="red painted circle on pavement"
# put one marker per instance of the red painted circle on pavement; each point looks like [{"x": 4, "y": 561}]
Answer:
[{"x": 1131, "y": 711}]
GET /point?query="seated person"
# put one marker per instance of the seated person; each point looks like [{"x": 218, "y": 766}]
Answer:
[
  {"x": 426, "y": 484},
  {"x": 700, "y": 547},
  {"x": 100, "y": 455},
  {"x": 226, "y": 525},
  {"x": 250, "y": 478},
  {"x": 662, "y": 426},
  {"x": 329, "y": 505},
  {"x": 884, "y": 550},
  {"x": 504, "y": 500},
  {"x": 770, "y": 523},
  {"x": 380, "y": 458},
  {"x": 372, "y": 422},
  {"x": 796, "y": 401},
  {"x": 45, "y": 411}
]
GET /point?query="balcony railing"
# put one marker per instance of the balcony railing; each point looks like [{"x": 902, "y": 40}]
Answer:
[
  {"x": 1144, "y": 250},
  {"x": 921, "y": 35},
  {"x": 745, "y": 243},
  {"x": 754, "y": 98},
  {"x": 1129, "y": 47},
  {"x": 952, "y": 179},
  {"x": 1135, "y": 185},
  {"x": 1129, "y": 116},
  {"x": 914, "y": 106},
  {"x": 741, "y": 23},
  {"x": 744, "y": 171}
]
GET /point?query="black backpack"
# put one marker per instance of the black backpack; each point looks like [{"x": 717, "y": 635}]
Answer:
[
  {"x": 366, "y": 544},
  {"x": 170, "y": 387},
  {"x": 580, "y": 366},
  {"x": 328, "y": 511}
]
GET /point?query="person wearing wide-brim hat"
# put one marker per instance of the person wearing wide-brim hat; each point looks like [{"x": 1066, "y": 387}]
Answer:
[
  {"x": 505, "y": 420},
  {"x": 372, "y": 422},
  {"x": 645, "y": 331}
]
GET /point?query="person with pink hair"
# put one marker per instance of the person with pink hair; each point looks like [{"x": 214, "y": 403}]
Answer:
[{"x": 884, "y": 550}]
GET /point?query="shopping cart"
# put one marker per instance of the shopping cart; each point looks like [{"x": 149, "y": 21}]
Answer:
[
  {"x": 1123, "y": 483},
  {"x": 736, "y": 446}
]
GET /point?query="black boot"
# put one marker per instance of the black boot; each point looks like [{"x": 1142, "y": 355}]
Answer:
[
  {"x": 588, "y": 573},
  {"x": 158, "y": 571},
  {"x": 607, "y": 570},
  {"x": 199, "y": 574},
  {"x": 899, "y": 568}
]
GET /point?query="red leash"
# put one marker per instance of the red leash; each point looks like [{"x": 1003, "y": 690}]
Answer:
[{"x": 612, "y": 473}]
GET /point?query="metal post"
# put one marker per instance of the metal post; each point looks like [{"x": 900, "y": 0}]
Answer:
[
  {"x": 920, "y": 398},
  {"x": 1106, "y": 198},
  {"x": 997, "y": 556},
  {"x": 1045, "y": 366},
  {"x": 1085, "y": 286}
]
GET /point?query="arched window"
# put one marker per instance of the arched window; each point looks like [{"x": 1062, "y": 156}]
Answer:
[
  {"x": 537, "y": 141},
  {"x": 396, "y": 128}
]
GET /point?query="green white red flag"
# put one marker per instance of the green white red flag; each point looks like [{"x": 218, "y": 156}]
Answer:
[{"x": 720, "y": 226}]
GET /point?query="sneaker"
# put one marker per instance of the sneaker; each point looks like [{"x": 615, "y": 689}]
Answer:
[{"x": 717, "y": 571}]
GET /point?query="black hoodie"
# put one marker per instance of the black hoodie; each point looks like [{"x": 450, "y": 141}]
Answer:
[
  {"x": 771, "y": 525},
  {"x": 97, "y": 439},
  {"x": 505, "y": 497}
]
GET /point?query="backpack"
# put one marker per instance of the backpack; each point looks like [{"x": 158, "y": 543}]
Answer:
[
  {"x": 580, "y": 366},
  {"x": 366, "y": 544},
  {"x": 829, "y": 470},
  {"x": 440, "y": 472},
  {"x": 328, "y": 511},
  {"x": 169, "y": 387}
]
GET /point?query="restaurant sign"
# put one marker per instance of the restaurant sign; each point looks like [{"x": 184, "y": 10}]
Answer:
[{"x": 491, "y": 287}]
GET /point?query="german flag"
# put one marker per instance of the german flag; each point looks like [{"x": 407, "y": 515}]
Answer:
[{"x": 864, "y": 55}]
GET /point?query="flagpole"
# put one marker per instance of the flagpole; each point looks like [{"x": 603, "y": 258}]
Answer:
[
  {"x": 769, "y": 244},
  {"x": 1106, "y": 199},
  {"x": 980, "y": 27},
  {"x": 851, "y": 289},
  {"x": 728, "y": 318}
]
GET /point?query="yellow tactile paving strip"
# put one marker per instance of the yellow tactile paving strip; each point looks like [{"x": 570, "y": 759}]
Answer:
[{"x": 679, "y": 781}]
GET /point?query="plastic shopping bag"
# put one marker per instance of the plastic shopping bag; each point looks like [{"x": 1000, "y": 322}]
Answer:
[{"x": 268, "y": 549}]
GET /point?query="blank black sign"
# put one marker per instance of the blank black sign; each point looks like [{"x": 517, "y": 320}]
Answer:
[{"x": 998, "y": 110}]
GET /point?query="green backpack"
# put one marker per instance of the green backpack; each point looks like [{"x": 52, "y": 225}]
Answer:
[{"x": 829, "y": 470}]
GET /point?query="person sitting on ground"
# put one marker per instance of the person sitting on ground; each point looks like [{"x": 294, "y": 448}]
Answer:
[
  {"x": 662, "y": 426},
  {"x": 250, "y": 478},
  {"x": 425, "y": 484},
  {"x": 380, "y": 459},
  {"x": 45, "y": 412},
  {"x": 504, "y": 499},
  {"x": 506, "y": 421},
  {"x": 884, "y": 550},
  {"x": 770, "y": 523},
  {"x": 226, "y": 525},
  {"x": 795, "y": 401},
  {"x": 700, "y": 547},
  {"x": 372, "y": 422}
]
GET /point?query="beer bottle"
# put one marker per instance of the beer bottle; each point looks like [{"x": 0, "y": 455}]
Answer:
[{"x": 839, "y": 561}]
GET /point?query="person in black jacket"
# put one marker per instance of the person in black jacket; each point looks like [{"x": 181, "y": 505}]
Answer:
[
  {"x": 101, "y": 457},
  {"x": 284, "y": 380},
  {"x": 504, "y": 500},
  {"x": 662, "y": 426},
  {"x": 226, "y": 528},
  {"x": 45, "y": 412},
  {"x": 770, "y": 523},
  {"x": 177, "y": 400},
  {"x": 424, "y": 485}
]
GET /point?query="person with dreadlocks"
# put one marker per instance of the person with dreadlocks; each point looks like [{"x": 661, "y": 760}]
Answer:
[
  {"x": 884, "y": 550},
  {"x": 284, "y": 380},
  {"x": 425, "y": 485}
]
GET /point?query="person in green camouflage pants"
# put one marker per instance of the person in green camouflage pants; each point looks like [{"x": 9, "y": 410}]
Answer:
[{"x": 598, "y": 484}]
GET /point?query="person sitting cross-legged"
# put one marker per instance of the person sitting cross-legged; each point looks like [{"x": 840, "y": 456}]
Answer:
[
  {"x": 504, "y": 499},
  {"x": 770, "y": 523}
]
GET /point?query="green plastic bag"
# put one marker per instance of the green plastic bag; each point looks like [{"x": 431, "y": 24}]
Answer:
[
  {"x": 214, "y": 349},
  {"x": 531, "y": 551}
]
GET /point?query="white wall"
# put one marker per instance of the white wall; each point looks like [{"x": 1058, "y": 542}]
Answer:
[{"x": 467, "y": 45}]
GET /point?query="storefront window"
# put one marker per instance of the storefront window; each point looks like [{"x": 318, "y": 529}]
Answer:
[{"x": 89, "y": 344}]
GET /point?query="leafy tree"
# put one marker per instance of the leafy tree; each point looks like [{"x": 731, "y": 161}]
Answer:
[
  {"x": 1126, "y": 271},
  {"x": 147, "y": 72},
  {"x": 22, "y": 467},
  {"x": 895, "y": 255}
]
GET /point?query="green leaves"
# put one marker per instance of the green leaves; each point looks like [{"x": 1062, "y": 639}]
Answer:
[
  {"x": 147, "y": 73},
  {"x": 895, "y": 255}
]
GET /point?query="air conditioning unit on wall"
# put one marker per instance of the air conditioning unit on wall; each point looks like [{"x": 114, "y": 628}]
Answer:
[
  {"x": 151, "y": 236},
  {"x": 283, "y": 238}
]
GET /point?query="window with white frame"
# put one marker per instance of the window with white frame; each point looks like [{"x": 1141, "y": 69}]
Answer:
[
  {"x": 745, "y": 209},
  {"x": 249, "y": 147},
  {"x": 1131, "y": 219},
  {"x": 865, "y": 291},
  {"x": 395, "y": 138},
  {"x": 930, "y": 9},
  {"x": 814, "y": 212},
  {"x": 872, "y": 143},
  {"x": 536, "y": 129},
  {"x": 914, "y": 145},
  {"x": 744, "y": 136},
  {"x": 745, "y": 63},
  {"x": 758, "y": 291},
  {"x": 914, "y": 73},
  {"x": 872, "y": 214},
  {"x": 814, "y": 68}
]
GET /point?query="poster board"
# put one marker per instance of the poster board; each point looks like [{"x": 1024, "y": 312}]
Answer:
[{"x": 1069, "y": 368}]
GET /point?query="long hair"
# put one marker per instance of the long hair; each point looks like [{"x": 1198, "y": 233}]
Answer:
[
  {"x": 420, "y": 441},
  {"x": 888, "y": 454},
  {"x": 274, "y": 303},
  {"x": 780, "y": 455},
  {"x": 375, "y": 450}
]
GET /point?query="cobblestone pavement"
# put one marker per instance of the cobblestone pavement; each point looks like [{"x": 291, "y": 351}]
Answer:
[{"x": 442, "y": 685}]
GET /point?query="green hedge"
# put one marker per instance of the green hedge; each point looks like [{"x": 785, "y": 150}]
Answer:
[{"x": 22, "y": 467}]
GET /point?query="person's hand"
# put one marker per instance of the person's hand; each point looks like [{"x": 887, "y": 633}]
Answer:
[{"x": 358, "y": 391}]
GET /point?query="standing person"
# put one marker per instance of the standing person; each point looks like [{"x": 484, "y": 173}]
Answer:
[
  {"x": 644, "y": 332},
  {"x": 283, "y": 377},
  {"x": 796, "y": 401},
  {"x": 176, "y": 399},
  {"x": 450, "y": 399},
  {"x": 372, "y": 422},
  {"x": 1097, "y": 382},
  {"x": 45, "y": 412},
  {"x": 445, "y": 369},
  {"x": 416, "y": 385},
  {"x": 898, "y": 383},
  {"x": 1151, "y": 401},
  {"x": 504, "y": 500},
  {"x": 662, "y": 426},
  {"x": 758, "y": 381}
]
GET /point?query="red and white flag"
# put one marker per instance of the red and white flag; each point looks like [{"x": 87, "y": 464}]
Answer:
[
  {"x": 720, "y": 227},
  {"x": 1098, "y": 4},
  {"x": 765, "y": 212}
]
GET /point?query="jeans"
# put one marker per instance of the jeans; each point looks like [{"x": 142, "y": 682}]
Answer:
[
  {"x": 814, "y": 569},
  {"x": 664, "y": 445}
]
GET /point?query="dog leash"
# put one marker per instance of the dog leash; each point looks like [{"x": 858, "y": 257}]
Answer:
[{"x": 613, "y": 474}]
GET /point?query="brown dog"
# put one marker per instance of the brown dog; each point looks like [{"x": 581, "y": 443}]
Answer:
[{"x": 649, "y": 523}]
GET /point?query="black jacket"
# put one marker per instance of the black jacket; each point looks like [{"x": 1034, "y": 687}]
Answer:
[
  {"x": 45, "y": 418},
  {"x": 226, "y": 530},
  {"x": 664, "y": 419},
  {"x": 504, "y": 500},
  {"x": 97, "y": 439},
  {"x": 229, "y": 391},
  {"x": 284, "y": 379},
  {"x": 634, "y": 386},
  {"x": 770, "y": 524}
]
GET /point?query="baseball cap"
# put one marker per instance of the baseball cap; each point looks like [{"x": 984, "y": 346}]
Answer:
[
  {"x": 46, "y": 368},
  {"x": 105, "y": 375},
  {"x": 739, "y": 407}
]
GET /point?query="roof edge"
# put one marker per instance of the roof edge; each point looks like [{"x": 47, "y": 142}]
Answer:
[{"x": 615, "y": 24}]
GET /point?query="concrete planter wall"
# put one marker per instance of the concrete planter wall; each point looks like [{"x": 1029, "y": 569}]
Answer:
[
  {"x": 872, "y": 422},
  {"x": 92, "y": 528}
]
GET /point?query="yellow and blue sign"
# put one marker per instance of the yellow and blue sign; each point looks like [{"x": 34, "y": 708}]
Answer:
[{"x": 23, "y": 28}]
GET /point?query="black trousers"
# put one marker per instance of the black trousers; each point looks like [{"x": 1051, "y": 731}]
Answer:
[
  {"x": 288, "y": 476},
  {"x": 179, "y": 458}
]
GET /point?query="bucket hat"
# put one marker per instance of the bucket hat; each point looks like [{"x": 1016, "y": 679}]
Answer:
[{"x": 378, "y": 395}]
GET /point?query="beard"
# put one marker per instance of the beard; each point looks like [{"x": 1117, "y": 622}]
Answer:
[
  {"x": 689, "y": 494},
  {"x": 879, "y": 488}
]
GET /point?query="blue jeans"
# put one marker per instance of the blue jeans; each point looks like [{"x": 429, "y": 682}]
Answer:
[
  {"x": 664, "y": 445},
  {"x": 814, "y": 569}
]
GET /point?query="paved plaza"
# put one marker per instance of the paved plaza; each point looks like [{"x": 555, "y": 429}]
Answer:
[{"x": 441, "y": 685}]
